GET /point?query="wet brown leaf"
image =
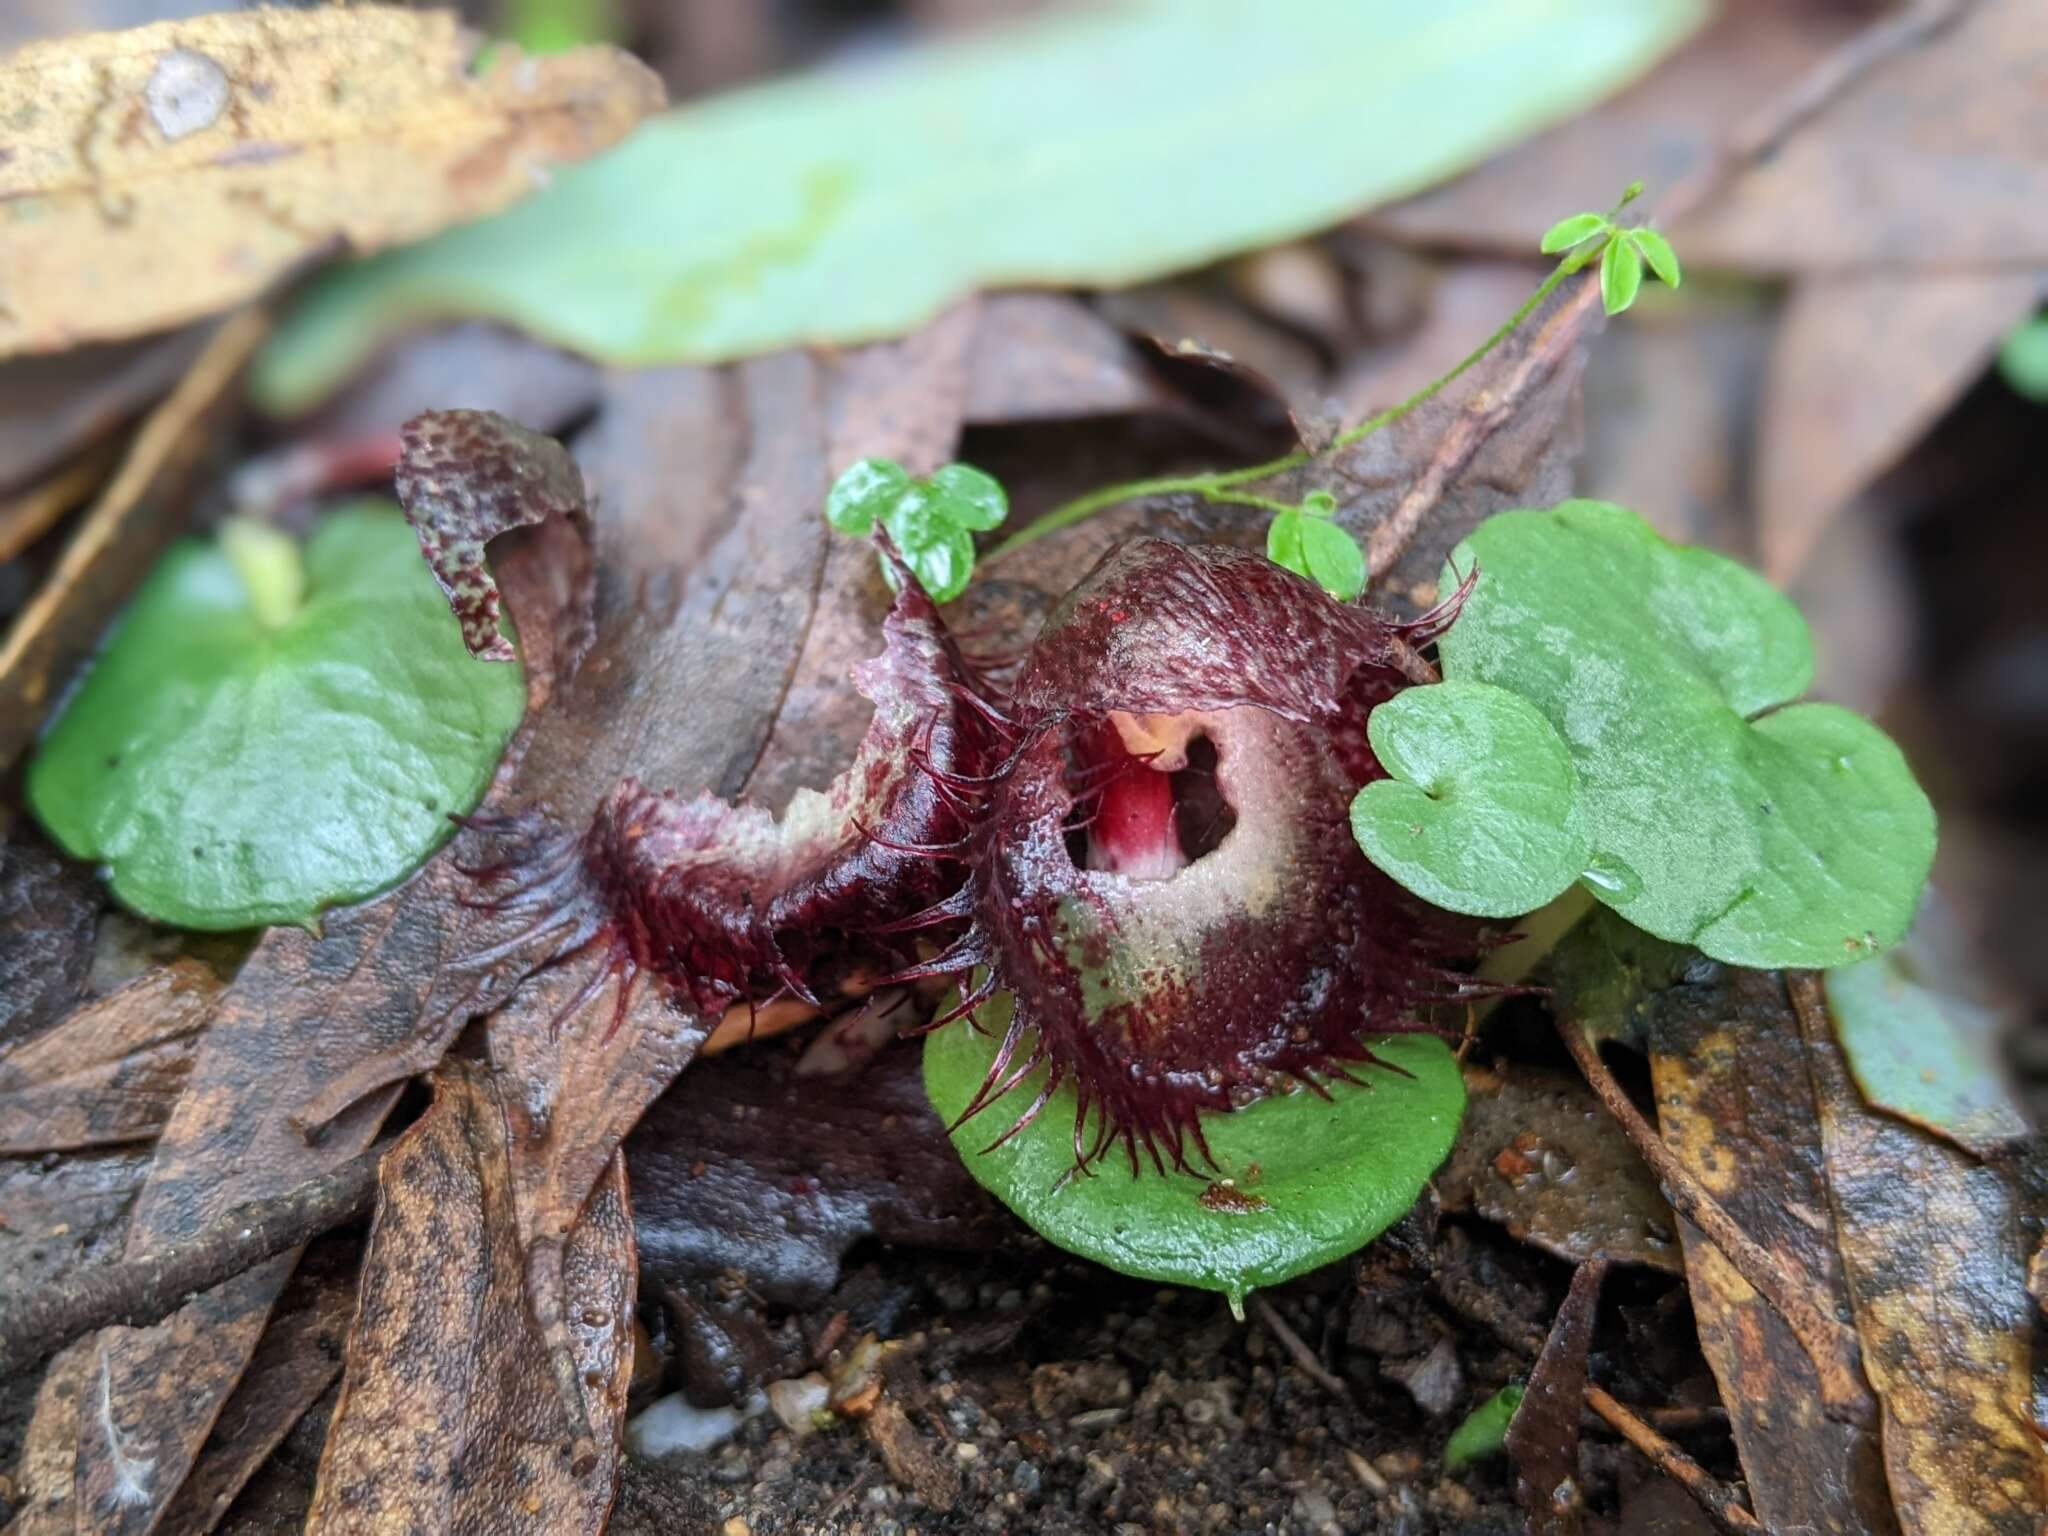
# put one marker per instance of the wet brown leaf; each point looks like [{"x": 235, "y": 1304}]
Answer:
[
  {"x": 1049, "y": 357},
  {"x": 1734, "y": 1104},
  {"x": 1538, "y": 1155},
  {"x": 1862, "y": 366},
  {"x": 1543, "y": 1437},
  {"x": 301, "y": 1016},
  {"x": 49, "y": 908},
  {"x": 50, "y": 1449},
  {"x": 58, "y": 1214},
  {"x": 746, "y": 1168},
  {"x": 449, "y": 1419},
  {"x": 1936, "y": 1259},
  {"x": 298, "y": 1358},
  {"x": 111, "y": 1071},
  {"x": 179, "y": 169}
]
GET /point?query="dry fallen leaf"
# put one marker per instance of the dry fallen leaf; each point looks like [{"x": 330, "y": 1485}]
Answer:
[
  {"x": 1937, "y": 1266},
  {"x": 178, "y": 169},
  {"x": 1543, "y": 1437},
  {"x": 448, "y": 1418},
  {"x": 49, "y": 907},
  {"x": 1863, "y": 365},
  {"x": 111, "y": 1071},
  {"x": 1733, "y": 1104}
]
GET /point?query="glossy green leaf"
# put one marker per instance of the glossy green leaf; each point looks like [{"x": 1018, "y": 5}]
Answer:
[
  {"x": 228, "y": 773},
  {"x": 1656, "y": 250},
  {"x": 2023, "y": 360},
  {"x": 1332, "y": 1174},
  {"x": 1566, "y": 233},
  {"x": 1314, "y": 547},
  {"x": 1720, "y": 813},
  {"x": 1091, "y": 147},
  {"x": 1926, "y": 1056},
  {"x": 971, "y": 497},
  {"x": 863, "y": 492},
  {"x": 1480, "y": 814},
  {"x": 1621, "y": 275},
  {"x": 1485, "y": 1430},
  {"x": 938, "y": 550}
]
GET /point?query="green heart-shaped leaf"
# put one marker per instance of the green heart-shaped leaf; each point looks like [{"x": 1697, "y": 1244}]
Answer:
[
  {"x": 1479, "y": 816},
  {"x": 1310, "y": 1179},
  {"x": 1720, "y": 814},
  {"x": 229, "y": 772},
  {"x": 937, "y": 549},
  {"x": 864, "y": 492},
  {"x": 1317, "y": 548},
  {"x": 970, "y": 497}
]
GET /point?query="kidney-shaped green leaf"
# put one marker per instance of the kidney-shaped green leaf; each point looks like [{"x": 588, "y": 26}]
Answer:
[
  {"x": 1720, "y": 813},
  {"x": 230, "y": 773},
  {"x": 1103, "y": 145},
  {"x": 1480, "y": 814},
  {"x": 1304, "y": 1180}
]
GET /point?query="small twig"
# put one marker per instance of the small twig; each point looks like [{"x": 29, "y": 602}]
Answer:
[
  {"x": 140, "y": 1291},
  {"x": 1298, "y": 1349},
  {"x": 1721, "y": 1503},
  {"x": 1836, "y": 1356}
]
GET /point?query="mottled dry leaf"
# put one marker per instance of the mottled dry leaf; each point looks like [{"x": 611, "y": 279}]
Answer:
[
  {"x": 1543, "y": 1437},
  {"x": 56, "y": 1214},
  {"x": 1049, "y": 357},
  {"x": 298, "y": 1358},
  {"x": 1934, "y": 1246},
  {"x": 1734, "y": 1104},
  {"x": 178, "y": 169},
  {"x": 448, "y": 1418},
  {"x": 1660, "y": 129},
  {"x": 49, "y": 1450},
  {"x": 744, "y": 1168},
  {"x": 111, "y": 1071},
  {"x": 1937, "y": 157},
  {"x": 1863, "y": 365},
  {"x": 49, "y": 907},
  {"x": 302, "y": 1015},
  {"x": 1537, "y": 1154}
]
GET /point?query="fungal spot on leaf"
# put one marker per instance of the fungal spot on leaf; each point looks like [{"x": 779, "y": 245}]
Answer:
[
  {"x": 186, "y": 92},
  {"x": 1225, "y": 1197}
]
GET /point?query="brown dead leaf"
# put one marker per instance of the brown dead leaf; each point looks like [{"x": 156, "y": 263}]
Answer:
[
  {"x": 1538, "y": 1155},
  {"x": 52, "y": 407},
  {"x": 179, "y": 169},
  {"x": 303, "y": 1013},
  {"x": 1049, "y": 357},
  {"x": 111, "y": 1071},
  {"x": 56, "y": 1214},
  {"x": 298, "y": 1358},
  {"x": 1660, "y": 129},
  {"x": 1936, "y": 157},
  {"x": 1543, "y": 1437},
  {"x": 448, "y": 1417},
  {"x": 745, "y": 1168},
  {"x": 50, "y": 1448},
  {"x": 49, "y": 907},
  {"x": 127, "y": 527},
  {"x": 1863, "y": 365},
  {"x": 1932, "y": 1243},
  {"x": 1734, "y": 1105}
]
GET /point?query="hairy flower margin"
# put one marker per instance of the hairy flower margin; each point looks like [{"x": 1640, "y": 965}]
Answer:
[{"x": 1162, "y": 979}]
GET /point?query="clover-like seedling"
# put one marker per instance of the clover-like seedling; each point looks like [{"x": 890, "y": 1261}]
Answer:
[
  {"x": 1301, "y": 1179},
  {"x": 1717, "y": 811},
  {"x": 1584, "y": 238},
  {"x": 1485, "y": 1430},
  {"x": 269, "y": 732},
  {"x": 1481, "y": 812},
  {"x": 1308, "y": 541},
  {"x": 931, "y": 520}
]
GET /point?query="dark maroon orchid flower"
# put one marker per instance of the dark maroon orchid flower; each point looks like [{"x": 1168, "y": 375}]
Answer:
[{"x": 1144, "y": 841}]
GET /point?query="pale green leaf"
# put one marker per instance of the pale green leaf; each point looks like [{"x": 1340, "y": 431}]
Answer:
[
  {"x": 1621, "y": 276},
  {"x": 1485, "y": 1430},
  {"x": 1480, "y": 814},
  {"x": 1095, "y": 146},
  {"x": 971, "y": 497},
  {"x": 1720, "y": 813},
  {"x": 1566, "y": 233},
  {"x": 863, "y": 492},
  {"x": 1656, "y": 250},
  {"x": 2023, "y": 360}
]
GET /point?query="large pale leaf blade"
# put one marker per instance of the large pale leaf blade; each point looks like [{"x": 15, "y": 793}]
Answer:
[{"x": 1086, "y": 149}]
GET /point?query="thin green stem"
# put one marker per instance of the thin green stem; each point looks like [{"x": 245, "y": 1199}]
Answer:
[{"x": 1218, "y": 486}]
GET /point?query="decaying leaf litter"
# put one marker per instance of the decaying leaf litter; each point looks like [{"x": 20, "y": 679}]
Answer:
[{"x": 1420, "y": 1327}]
